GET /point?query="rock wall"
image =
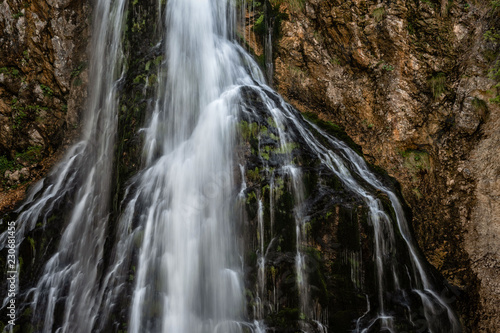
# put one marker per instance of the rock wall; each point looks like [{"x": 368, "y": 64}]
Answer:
[
  {"x": 413, "y": 83},
  {"x": 43, "y": 81}
]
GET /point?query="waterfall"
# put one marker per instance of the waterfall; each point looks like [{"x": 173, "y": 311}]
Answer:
[
  {"x": 216, "y": 140},
  {"x": 71, "y": 276}
]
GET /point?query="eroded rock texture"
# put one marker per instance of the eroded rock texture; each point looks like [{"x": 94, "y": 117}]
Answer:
[
  {"x": 411, "y": 82},
  {"x": 43, "y": 81}
]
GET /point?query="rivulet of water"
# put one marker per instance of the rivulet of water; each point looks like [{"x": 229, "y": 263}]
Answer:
[{"x": 69, "y": 286}]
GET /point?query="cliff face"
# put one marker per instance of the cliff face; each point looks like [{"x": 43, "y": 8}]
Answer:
[
  {"x": 412, "y": 83},
  {"x": 43, "y": 81}
]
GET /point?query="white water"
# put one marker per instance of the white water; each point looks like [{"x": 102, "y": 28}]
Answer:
[
  {"x": 72, "y": 271},
  {"x": 178, "y": 227}
]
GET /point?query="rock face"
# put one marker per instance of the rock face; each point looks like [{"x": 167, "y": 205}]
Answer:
[
  {"x": 409, "y": 83},
  {"x": 42, "y": 82}
]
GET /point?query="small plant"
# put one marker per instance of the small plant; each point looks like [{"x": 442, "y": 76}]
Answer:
[
  {"x": 378, "y": 14},
  {"x": 5, "y": 165},
  {"x": 466, "y": 6},
  {"x": 259, "y": 26},
  {"x": 31, "y": 155},
  {"x": 21, "y": 115},
  {"x": 437, "y": 84},
  {"x": 14, "y": 72},
  {"x": 78, "y": 70},
  {"x": 335, "y": 61},
  {"x": 491, "y": 36},
  {"x": 17, "y": 15},
  {"x": 47, "y": 91},
  {"x": 479, "y": 104},
  {"x": 495, "y": 3},
  {"x": 494, "y": 72},
  {"x": 367, "y": 124},
  {"x": 388, "y": 68}
]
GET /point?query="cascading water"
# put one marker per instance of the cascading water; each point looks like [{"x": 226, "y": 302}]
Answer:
[
  {"x": 71, "y": 277},
  {"x": 181, "y": 225}
]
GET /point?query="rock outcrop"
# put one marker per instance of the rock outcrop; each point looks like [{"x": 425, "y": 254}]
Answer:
[
  {"x": 43, "y": 81},
  {"x": 413, "y": 83}
]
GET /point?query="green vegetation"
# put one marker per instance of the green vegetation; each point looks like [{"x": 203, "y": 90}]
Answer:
[
  {"x": 437, "y": 84},
  {"x": 388, "y": 68},
  {"x": 491, "y": 35},
  {"x": 23, "y": 113},
  {"x": 254, "y": 175},
  {"x": 248, "y": 130},
  {"x": 11, "y": 71},
  {"x": 47, "y": 91},
  {"x": 260, "y": 26},
  {"x": 18, "y": 119},
  {"x": 335, "y": 61},
  {"x": 416, "y": 160},
  {"x": 5, "y": 165},
  {"x": 81, "y": 66},
  {"x": 479, "y": 104},
  {"x": 30, "y": 155},
  {"x": 17, "y": 15},
  {"x": 378, "y": 14}
]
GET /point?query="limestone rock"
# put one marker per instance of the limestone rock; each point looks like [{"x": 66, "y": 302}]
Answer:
[{"x": 407, "y": 80}]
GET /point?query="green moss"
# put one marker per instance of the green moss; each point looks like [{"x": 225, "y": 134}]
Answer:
[
  {"x": 32, "y": 244},
  {"x": 251, "y": 197},
  {"x": 287, "y": 148},
  {"x": 388, "y": 68},
  {"x": 30, "y": 155},
  {"x": 47, "y": 91},
  {"x": 254, "y": 175},
  {"x": 479, "y": 104},
  {"x": 416, "y": 160},
  {"x": 437, "y": 84},
  {"x": 5, "y": 164},
  {"x": 140, "y": 78},
  {"x": 378, "y": 14},
  {"x": 491, "y": 36},
  {"x": 259, "y": 26},
  {"x": 248, "y": 130},
  {"x": 78, "y": 70}
]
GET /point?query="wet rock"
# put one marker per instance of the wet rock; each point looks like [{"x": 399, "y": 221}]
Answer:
[{"x": 407, "y": 77}]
